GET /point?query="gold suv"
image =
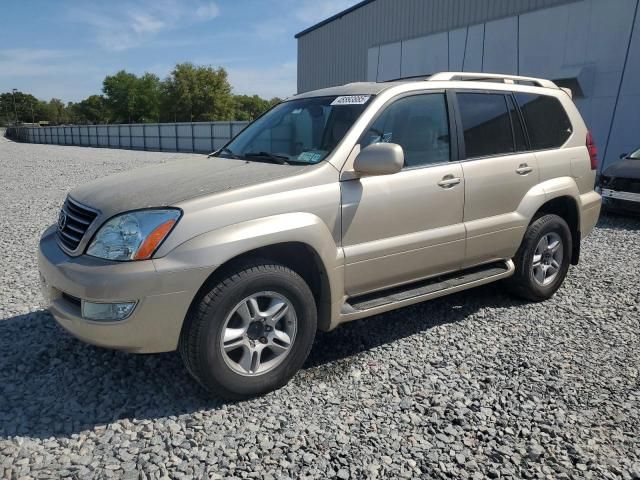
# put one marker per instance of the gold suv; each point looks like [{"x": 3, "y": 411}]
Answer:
[{"x": 335, "y": 205}]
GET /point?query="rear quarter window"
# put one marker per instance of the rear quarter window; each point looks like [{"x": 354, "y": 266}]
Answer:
[{"x": 547, "y": 122}]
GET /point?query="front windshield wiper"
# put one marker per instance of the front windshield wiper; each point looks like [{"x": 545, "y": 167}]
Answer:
[
  {"x": 225, "y": 151},
  {"x": 280, "y": 159}
]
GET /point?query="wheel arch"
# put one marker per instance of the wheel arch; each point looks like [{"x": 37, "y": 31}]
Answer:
[
  {"x": 301, "y": 242},
  {"x": 566, "y": 207},
  {"x": 294, "y": 255}
]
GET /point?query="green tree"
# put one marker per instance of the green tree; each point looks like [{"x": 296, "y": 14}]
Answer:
[
  {"x": 57, "y": 112},
  {"x": 28, "y": 107},
  {"x": 249, "y": 108},
  {"x": 197, "y": 93},
  {"x": 91, "y": 110},
  {"x": 132, "y": 99}
]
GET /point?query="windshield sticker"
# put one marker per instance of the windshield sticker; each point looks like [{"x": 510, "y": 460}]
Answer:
[
  {"x": 351, "y": 100},
  {"x": 296, "y": 111},
  {"x": 309, "y": 157}
]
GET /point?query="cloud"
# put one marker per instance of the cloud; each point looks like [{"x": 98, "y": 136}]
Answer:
[
  {"x": 277, "y": 81},
  {"x": 208, "y": 11},
  {"x": 20, "y": 62},
  {"x": 314, "y": 11},
  {"x": 118, "y": 27},
  {"x": 48, "y": 73}
]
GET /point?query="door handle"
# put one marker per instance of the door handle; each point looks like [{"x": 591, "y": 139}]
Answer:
[
  {"x": 524, "y": 169},
  {"x": 449, "y": 181}
]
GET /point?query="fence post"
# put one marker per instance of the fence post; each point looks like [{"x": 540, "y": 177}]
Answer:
[
  {"x": 193, "y": 140},
  {"x": 175, "y": 130},
  {"x": 213, "y": 144},
  {"x": 144, "y": 136},
  {"x": 230, "y": 130}
]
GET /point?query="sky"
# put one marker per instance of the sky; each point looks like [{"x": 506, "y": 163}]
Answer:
[{"x": 64, "y": 49}]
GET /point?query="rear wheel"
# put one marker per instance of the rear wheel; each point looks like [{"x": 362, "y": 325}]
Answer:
[
  {"x": 543, "y": 259},
  {"x": 251, "y": 332}
]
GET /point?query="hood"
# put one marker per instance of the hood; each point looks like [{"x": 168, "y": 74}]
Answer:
[
  {"x": 168, "y": 183},
  {"x": 629, "y": 168}
]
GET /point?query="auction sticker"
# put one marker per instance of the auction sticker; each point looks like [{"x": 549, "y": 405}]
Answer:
[{"x": 351, "y": 100}]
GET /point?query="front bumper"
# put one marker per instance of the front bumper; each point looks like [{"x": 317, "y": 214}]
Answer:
[{"x": 163, "y": 297}]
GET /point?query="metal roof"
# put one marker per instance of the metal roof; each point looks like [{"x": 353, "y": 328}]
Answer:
[{"x": 334, "y": 17}]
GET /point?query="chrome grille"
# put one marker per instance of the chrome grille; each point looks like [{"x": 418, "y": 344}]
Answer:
[{"x": 73, "y": 222}]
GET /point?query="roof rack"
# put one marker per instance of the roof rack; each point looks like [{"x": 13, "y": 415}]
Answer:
[{"x": 471, "y": 76}]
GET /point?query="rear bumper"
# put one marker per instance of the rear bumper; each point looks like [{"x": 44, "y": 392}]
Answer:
[{"x": 163, "y": 298}]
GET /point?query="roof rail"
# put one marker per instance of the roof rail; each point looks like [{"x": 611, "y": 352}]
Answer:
[{"x": 470, "y": 76}]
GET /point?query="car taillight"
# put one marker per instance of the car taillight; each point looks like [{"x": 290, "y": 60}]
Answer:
[{"x": 593, "y": 151}]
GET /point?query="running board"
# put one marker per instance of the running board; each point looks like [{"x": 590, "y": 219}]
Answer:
[{"x": 390, "y": 299}]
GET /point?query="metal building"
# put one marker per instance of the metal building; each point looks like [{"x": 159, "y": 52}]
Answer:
[{"x": 591, "y": 46}]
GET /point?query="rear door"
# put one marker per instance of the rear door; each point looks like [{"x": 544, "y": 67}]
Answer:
[{"x": 498, "y": 170}]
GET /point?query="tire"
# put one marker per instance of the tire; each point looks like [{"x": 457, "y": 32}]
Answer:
[
  {"x": 526, "y": 282},
  {"x": 242, "y": 299}
]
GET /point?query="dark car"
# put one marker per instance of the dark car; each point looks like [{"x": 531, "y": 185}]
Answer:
[{"x": 620, "y": 184}]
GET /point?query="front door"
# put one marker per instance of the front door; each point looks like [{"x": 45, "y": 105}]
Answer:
[{"x": 407, "y": 226}]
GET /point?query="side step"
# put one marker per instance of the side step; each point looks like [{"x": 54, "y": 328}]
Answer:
[{"x": 397, "y": 297}]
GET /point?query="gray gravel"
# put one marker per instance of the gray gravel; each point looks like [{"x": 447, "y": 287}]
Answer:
[{"x": 474, "y": 385}]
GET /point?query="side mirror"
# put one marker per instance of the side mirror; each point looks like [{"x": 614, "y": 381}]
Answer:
[
  {"x": 623, "y": 155},
  {"x": 379, "y": 159}
]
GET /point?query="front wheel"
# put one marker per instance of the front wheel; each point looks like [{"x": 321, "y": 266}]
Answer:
[
  {"x": 251, "y": 332},
  {"x": 543, "y": 259}
]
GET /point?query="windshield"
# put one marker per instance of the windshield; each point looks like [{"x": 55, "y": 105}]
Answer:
[
  {"x": 303, "y": 131},
  {"x": 635, "y": 155}
]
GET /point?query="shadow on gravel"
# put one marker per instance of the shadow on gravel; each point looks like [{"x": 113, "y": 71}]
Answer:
[{"x": 52, "y": 384}]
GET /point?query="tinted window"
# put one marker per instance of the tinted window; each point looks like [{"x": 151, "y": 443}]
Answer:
[
  {"x": 518, "y": 131},
  {"x": 486, "y": 124},
  {"x": 419, "y": 124},
  {"x": 546, "y": 120}
]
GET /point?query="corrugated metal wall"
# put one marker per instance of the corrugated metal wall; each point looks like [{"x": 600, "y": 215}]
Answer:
[
  {"x": 336, "y": 53},
  {"x": 200, "y": 137}
]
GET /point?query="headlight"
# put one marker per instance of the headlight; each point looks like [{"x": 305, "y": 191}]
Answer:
[{"x": 134, "y": 235}]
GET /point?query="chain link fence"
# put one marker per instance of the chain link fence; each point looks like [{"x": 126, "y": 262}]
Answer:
[{"x": 200, "y": 137}]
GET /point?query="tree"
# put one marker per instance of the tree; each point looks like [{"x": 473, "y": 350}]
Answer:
[
  {"x": 248, "y": 108},
  {"x": 57, "y": 112},
  {"x": 91, "y": 110},
  {"x": 197, "y": 93},
  {"x": 132, "y": 99},
  {"x": 28, "y": 107}
]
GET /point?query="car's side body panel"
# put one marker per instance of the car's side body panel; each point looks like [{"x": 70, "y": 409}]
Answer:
[{"x": 401, "y": 227}]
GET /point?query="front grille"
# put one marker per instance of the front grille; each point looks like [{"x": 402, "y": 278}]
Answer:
[
  {"x": 73, "y": 223},
  {"x": 631, "y": 185}
]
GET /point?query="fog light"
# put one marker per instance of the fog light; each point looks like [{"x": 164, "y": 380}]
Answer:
[{"x": 106, "y": 311}]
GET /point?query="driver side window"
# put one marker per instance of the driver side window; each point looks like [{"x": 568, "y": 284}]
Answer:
[{"x": 419, "y": 124}]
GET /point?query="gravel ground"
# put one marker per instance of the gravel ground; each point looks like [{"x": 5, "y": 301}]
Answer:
[{"x": 474, "y": 385}]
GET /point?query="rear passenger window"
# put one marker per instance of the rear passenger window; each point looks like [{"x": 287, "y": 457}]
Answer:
[
  {"x": 547, "y": 122},
  {"x": 419, "y": 124},
  {"x": 486, "y": 124}
]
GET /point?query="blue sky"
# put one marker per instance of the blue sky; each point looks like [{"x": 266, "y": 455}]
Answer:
[{"x": 64, "y": 49}]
